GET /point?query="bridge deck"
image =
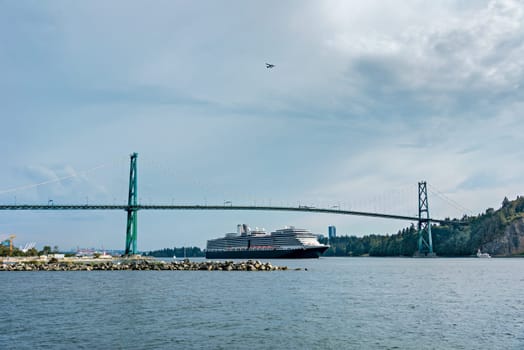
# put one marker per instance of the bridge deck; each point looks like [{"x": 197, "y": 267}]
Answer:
[{"x": 216, "y": 207}]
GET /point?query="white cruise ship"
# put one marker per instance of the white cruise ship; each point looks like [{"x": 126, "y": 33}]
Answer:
[{"x": 286, "y": 243}]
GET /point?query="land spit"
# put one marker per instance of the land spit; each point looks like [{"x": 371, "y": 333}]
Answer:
[{"x": 143, "y": 265}]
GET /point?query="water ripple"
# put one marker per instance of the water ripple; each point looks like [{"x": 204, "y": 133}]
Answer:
[{"x": 338, "y": 303}]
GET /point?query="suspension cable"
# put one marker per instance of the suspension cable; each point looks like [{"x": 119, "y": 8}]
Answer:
[
  {"x": 58, "y": 179},
  {"x": 450, "y": 201}
]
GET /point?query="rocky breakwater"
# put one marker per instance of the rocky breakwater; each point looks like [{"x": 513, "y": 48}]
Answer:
[{"x": 142, "y": 265}]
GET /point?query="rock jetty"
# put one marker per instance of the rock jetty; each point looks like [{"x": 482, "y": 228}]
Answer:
[{"x": 143, "y": 265}]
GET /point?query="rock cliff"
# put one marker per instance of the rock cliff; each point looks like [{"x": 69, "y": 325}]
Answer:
[{"x": 510, "y": 243}]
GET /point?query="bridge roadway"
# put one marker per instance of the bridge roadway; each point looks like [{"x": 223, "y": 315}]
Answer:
[{"x": 216, "y": 207}]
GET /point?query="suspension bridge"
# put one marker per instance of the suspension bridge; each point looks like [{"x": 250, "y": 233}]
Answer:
[{"x": 425, "y": 244}]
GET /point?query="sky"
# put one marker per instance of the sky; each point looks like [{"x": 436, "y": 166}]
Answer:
[{"x": 366, "y": 99}]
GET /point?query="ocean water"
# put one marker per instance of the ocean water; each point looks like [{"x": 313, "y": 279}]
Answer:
[{"x": 337, "y": 303}]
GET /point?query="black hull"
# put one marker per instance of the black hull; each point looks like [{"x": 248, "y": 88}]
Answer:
[{"x": 309, "y": 253}]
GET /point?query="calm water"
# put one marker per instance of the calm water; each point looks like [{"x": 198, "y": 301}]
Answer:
[{"x": 338, "y": 303}]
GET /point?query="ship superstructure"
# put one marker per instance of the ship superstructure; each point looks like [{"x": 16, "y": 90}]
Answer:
[{"x": 286, "y": 243}]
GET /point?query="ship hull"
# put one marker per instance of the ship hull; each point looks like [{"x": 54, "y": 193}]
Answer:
[{"x": 305, "y": 253}]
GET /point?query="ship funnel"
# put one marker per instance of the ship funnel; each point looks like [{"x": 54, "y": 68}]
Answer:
[
  {"x": 245, "y": 230},
  {"x": 242, "y": 229}
]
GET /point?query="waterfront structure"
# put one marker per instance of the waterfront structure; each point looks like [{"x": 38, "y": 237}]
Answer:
[{"x": 286, "y": 243}]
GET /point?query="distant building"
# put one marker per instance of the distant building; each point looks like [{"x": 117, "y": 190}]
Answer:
[
  {"x": 56, "y": 256},
  {"x": 332, "y": 232}
]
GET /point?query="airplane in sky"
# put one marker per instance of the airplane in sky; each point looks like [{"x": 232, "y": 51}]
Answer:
[{"x": 269, "y": 65}]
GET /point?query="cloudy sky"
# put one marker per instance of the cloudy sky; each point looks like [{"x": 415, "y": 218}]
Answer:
[{"x": 366, "y": 99}]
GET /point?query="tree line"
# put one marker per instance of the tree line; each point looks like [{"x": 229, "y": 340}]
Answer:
[
  {"x": 6, "y": 251},
  {"x": 188, "y": 252}
]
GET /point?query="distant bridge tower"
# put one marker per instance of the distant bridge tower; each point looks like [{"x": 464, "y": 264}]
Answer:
[
  {"x": 425, "y": 241},
  {"x": 132, "y": 210}
]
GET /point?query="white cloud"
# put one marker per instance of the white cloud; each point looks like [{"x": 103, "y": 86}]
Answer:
[{"x": 447, "y": 51}]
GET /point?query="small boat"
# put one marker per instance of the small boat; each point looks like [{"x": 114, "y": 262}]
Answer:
[
  {"x": 482, "y": 255},
  {"x": 174, "y": 256}
]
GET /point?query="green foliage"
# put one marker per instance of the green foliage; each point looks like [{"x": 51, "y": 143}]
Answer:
[
  {"x": 32, "y": 252},
  {"x": 4, "y": 251},
  {"x": 188, "y": 252},
  {"x": 448, "y": 240},
  {"x": 45, "y": 251}
]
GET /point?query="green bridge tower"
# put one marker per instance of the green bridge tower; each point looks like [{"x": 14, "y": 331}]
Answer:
[
  {"x": 132, "y": 209},
  {"x": 425, "y": 241}
]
